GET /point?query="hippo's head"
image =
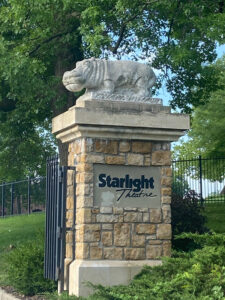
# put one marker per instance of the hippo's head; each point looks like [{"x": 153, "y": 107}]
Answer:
[{"x": 79, "y": 78}]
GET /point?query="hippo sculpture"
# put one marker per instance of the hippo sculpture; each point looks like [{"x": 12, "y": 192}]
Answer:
[{"x": 111, "y": 77}]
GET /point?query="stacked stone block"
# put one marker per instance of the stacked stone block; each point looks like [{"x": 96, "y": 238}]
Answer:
[{"x": 114, "y": 233}]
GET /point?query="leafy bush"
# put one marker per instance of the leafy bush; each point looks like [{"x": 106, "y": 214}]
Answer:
[
  {"x": 26, "y": 268},
  {"x": 197, "y": 275},
  {"x": 186, "y": 217}
]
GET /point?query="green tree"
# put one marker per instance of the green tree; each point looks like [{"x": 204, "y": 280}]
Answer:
[
  {"x": 207, "y": 136},
  {"x": 41, "y": 39}
]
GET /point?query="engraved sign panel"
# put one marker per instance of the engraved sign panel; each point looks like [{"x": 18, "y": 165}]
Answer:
[{"x": 126, "y": 186}]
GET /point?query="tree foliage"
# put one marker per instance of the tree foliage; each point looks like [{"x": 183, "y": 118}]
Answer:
[
  {"x": 39, "y": 40},
  {"x": 207, "y": 136}
]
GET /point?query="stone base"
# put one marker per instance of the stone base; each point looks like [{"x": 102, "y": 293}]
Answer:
[{"x": 104, "y": 272}]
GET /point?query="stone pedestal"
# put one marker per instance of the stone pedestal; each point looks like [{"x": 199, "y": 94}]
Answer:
[{"x": 113, "y": 240}]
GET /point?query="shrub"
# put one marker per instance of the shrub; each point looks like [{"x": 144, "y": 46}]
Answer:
[
  {"x": 26, "y": 268},
  {"x": 197, "y": 275},
  {"x": 186, "y": 217}
]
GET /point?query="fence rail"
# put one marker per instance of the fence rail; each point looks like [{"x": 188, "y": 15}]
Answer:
[
  {"x": 23, "y": 196},
  {"x": 204, "y": 178}
]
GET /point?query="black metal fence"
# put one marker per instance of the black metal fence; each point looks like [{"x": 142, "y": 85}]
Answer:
[
  {"x": 203, "y": 178},
  {"x": 22, "y": 197}
]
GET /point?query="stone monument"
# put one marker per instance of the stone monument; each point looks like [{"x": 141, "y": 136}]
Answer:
[{"x": 119, "y": 141}]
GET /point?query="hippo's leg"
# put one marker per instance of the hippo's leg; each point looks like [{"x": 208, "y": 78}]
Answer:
[
  {"x": 108, "y": 86},
  {"x": 143, "y": 89}
]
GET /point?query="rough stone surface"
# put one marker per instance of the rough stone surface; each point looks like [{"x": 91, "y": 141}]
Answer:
[
  {"x": 107, "y": 238},
  {"x": 141, "y": 147},
  {"x": 100, "y": 76},
  {"x": 95, "y": 252},
  {"x": 145, "y": 228},
  {"x": 106, "y": 146},
  {"x": 88, "y": 233},
  {"x": 166, "y": 214},
  {"x": 115, "y": 160},
  {"x": 164, "y": 232},
  {"x": 132, "y": 217},
  {"x": 155, "y": 215},
  {"x": 135, "y": 159},
  {"x": 113, "y": 253},
  {"x": 82, "y": 251},
  {"x": 121, "y": 234},
  {"x": 124, "y": 146},
  {"x": 167, "y": 248},
  {"x": 153, "y": 251},
  {"x": 161, "y": 158},
  {"x": 138, "y": 240},
  {"x": 134, "y": 253}
]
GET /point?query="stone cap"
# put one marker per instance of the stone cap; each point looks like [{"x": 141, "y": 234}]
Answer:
[{"x": 108, "y": 119}]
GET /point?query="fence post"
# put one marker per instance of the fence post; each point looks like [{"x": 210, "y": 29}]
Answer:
[
  {"x": 200, "y": 177},
  {"x": 28, "y": 195},
  {"x": 3, "y": 199},
  {"x": 12, "y": 198}
]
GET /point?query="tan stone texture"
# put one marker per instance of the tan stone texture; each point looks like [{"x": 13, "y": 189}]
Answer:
[
  {"x": 134, "y": 253},
  {"x": 83, "y": 189},
  {"x": 69, "y": 214},
  {"x": 155, "y": 215},
  {"x": 106, "y": 146},
  {"x": 82, "y": 250},
  {"x": 145, "y": 228},
  {"x": 167, "y": 172},
  {"x": 138, "y": 240},
  {"x": 69, "y": 251},
  {"x": 115, "y": 160},
  {"x": 95, "y": 210},
  {"x": 141, "y": 147},
  {"x": 113, "y": 253},
  {"x": 69, "y": 237},
  {"x": 70, "y": 191},
  {"x": 167, "y": 181},
  {"x": 84, "y": 167},
  {"x": 161, "y": 158},
  {"x": 135, "y": 159},
  {"x": 84, "y": 178},
  {"x": 95, "y": 252},
  {"x": 166, "y": 200},
  {"x": 70, "y": 177},
  {"x": 155, "y": 242},
  {"x": 166, "y": 191},
  {"x": 104, "y": 218},
  {"x": 84, "y": 201},
  {"x": 107, "y": 238},
  {"x": 107, "y": 226},
  {"x": 147, "y": 160},
  {"x": 153, "y": 251},
  {"x": 88, "y": 233},
  {"x": 69, "y": 202},
  {"x": 132, "y": 217},
  {"x": 83, "y": 215},
  {"x": 164, "y": 231},
  {"x": 121, "y": 234},
  {"x": 92, "y": 158},
  {"x": 167, "y": 248},
  {"x": 117, "y": 210},
  {"x": 166, "y": 214},
  {"x": 124, "y": 146},
  {"x": 145, "y": 217},
  {"x": 106, "y": 210}
]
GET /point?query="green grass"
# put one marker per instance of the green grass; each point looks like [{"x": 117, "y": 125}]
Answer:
[
  {"x": 16, "y": 230},
  {"x": 216, "y": 217}
]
